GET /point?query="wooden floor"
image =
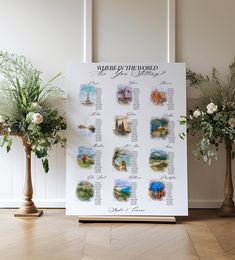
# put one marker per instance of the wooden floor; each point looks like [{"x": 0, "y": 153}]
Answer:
[{"x": 202, "y": 235}]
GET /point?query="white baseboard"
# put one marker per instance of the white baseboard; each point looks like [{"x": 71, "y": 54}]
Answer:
[{"x": 38, "y": 203}]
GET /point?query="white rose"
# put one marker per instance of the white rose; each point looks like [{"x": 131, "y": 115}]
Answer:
[
  {"x": 211, "y": 108},
  {"x": 2, "y": 119},
  {"x": 231, "y": 122},
  {"x": 37, "y": 118},
  {"x": 197, "y": 113}
]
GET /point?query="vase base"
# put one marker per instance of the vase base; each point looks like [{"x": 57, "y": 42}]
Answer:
[
  {"x": 227, "y": 211},
  {"x": 21, "y": 214}
]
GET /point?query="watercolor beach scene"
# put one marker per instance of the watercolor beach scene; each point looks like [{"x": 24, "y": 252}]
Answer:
[
  {"x": 122, "y": 190},
  {"x": 121, "y": 159}
]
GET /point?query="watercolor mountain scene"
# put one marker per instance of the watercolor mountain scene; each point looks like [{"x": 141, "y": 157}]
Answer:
[{"x": 158, "y": 160}]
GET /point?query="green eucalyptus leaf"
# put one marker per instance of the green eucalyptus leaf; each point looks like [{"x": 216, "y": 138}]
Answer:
[
  {"x": 45, "y": 165},
  {"x": 8, "y": 148}
]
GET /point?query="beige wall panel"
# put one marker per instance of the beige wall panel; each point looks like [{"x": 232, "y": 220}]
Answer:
[
  {"x": 205, "y": 38},
  {"x": 130, "y": 31}
]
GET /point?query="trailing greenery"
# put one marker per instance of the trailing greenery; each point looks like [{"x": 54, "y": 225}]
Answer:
[
  {"x": 214, "y": 116},
  {"x": 26, "y": 107}
]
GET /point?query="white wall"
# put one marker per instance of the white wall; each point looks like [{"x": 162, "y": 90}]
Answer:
[
  {"x": 205, "y": 38},
  {"x": 130, "y": 31},
  {"x": 50, "y": 34}
]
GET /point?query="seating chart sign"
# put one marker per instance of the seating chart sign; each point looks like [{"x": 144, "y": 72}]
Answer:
[{"x": 124, "y": 154}]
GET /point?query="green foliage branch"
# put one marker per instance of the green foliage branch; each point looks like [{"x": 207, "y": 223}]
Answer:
[
  {"x": 27, "y": 107},
  {"x": 213, "y": 119}
]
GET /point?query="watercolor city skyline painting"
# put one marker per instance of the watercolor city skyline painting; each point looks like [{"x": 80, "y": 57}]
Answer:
[
  {"x": 87, "y": 94},
  {"x": 122, "y": 126},
  {"x": 124, "y": 94},
  {"x": 158, "y": 96}
]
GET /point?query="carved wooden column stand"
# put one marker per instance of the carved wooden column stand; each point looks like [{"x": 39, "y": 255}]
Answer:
[
  {"x": 28, "y": 209},
  {"x": 228, "y": 208}
]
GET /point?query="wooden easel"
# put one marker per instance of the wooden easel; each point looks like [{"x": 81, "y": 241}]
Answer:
[{"x": 128, "y": 219}]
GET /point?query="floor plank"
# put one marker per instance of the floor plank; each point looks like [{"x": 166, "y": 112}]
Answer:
[{"x": 203, "y": 235}]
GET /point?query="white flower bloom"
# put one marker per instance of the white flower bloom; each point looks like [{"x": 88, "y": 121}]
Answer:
[
  {"x": 2, "y": 119},
  {"x": 231, "y": 122},
  {"x": 211, "y": 108},
  {"x": 197, "y": 113},
  {"x": 35, "y": 105},
  {"x": 9, "y": 129},
  {"x": 37, "y": 118},
  {"x": 190, "y": 117},
  {"x": 29, "y": 117}
]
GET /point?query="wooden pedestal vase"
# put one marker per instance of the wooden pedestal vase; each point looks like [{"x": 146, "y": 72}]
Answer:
[
  {"x": 228, "y": 208},
  {"x": 28, "y": 209}
]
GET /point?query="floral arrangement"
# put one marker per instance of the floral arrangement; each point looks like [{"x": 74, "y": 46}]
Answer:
[
  {"x": 27, "y": 107},
  {"x": 214, "y": 117}
]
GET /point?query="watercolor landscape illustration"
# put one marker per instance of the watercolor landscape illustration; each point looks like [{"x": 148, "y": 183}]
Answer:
[
  {"x": 158, "y": 160},
  {"x": 121, "y": 159},
  {"x": 85, "y": 191},
  {"x": 87, "y": 94},
  {"x": 159, "y": 127},
  {"x": 124, "y": 94},
  {"x": 86, "y": 130},
  {"x": 158, "y": 96},
  {"x": 86, "y": 157},
  {"x": 122, "y": 126},
  {"x": 122, "y": 190},
  {"x": 157, "y": 190}
]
